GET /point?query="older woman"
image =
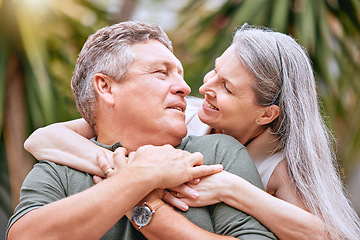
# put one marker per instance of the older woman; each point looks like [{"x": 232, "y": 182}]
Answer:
[{"x": 262, "y": 92}]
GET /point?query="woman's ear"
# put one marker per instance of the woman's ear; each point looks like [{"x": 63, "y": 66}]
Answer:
[
  {"x": 270, "y": 114},
  {"x": 102, "y": 85}
]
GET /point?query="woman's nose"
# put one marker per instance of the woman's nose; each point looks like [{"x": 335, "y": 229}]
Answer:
[{"x": 207, "y": 88}]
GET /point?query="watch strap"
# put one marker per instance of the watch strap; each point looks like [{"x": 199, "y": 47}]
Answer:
[{"x": 155, "y": 204}]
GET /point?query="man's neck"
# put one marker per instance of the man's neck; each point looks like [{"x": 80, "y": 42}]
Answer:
[{"x": 133, "y": 138}]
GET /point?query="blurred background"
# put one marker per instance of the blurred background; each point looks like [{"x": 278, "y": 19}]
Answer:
[{"x": 40, "y": 40}]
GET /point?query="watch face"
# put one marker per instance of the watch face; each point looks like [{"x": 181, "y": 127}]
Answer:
[{"x": 142, "y": 215}]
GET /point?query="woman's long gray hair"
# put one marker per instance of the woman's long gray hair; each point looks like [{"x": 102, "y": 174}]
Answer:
[{"x": 283, "y": 76}]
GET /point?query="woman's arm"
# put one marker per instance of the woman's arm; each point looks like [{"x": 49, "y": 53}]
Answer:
[
  {"x": 284, "y": 219},
  {"x": 67, "y": 144}
]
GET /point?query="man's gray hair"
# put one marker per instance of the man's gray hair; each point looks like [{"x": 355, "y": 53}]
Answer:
[
  {"x": 108, "y": 52},
  {"x": 284, "y": 76}
]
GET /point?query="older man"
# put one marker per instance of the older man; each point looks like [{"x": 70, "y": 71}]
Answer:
[{"x": 129, "y": 87}]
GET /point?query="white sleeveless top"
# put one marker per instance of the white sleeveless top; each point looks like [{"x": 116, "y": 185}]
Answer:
[
  {"x": 198, "y": 128},
  {"x": 267, "y": 167}
]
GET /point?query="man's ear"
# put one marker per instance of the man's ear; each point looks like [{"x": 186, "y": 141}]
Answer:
[
  {"x": 102, "y": 85},
  {"x": 269, "y": 114}
]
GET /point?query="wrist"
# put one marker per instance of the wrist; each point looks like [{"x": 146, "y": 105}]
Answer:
[
  {"x": 140, "y": 175},
  {"x": 229, "y": 193},
  {"x": 225, "y": 194},
  {"x": 155, "y": 194},
  {"x": 142, "y": 215},
  {"x": 246, "y": 201},
  {"x": 226, "y": 190}
]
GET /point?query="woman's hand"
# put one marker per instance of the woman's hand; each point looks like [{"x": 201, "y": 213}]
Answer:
[
  {"x": 210, "y": 190},
  {"x": 110, "y": 164},
  {"x": 172, "y": 196}
]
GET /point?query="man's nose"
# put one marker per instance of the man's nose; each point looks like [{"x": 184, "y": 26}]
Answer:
[{"x": 181, "y": 87}]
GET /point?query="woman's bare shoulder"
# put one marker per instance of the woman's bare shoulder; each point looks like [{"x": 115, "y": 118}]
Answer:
[{"x": 282, "y": 186}]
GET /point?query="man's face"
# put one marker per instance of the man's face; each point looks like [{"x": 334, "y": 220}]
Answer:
[{"x": 151, "y": 100}]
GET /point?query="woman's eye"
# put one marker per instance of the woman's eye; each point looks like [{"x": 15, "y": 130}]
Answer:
[{"x": 224, "y": 85}]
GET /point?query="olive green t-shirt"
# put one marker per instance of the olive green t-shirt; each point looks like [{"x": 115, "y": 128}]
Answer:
[{"x": 48, "y": 182}]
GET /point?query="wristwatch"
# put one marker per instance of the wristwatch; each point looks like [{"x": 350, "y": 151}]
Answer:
[{"x": 142, "y": 214}]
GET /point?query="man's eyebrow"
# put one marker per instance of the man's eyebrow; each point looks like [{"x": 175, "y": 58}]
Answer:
[
  {"x": 171, "y": 63},
  {"x": 161, "y": 62},
  {"x": 155, "y": 64},
  {"x": 165, "y": 63}
]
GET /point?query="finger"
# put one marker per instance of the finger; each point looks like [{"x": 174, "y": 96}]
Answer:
[
  {"x": 119, "y": 156},
  {"x": 110, "y": 158},
  {"x": 192, "y": 202},
  {"x": 176, "y": 194},
  {"x": 131, "y": 156},
  {"x": 194, "y": 181},
  {"x": 196, "y": 159},
  {"x": 97, "y": 179},
  {"x": 103, "y": 162},
  {"x": 205, "y": 170},
  {"x": 175, "y": 202},
  {"x": 184, "y": 191}
]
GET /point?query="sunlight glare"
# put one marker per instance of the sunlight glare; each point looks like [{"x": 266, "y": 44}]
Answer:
[{"x": 36, "y": 5}]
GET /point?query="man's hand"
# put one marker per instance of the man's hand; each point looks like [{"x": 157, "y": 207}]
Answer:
[{"x": 170, "y": 167}]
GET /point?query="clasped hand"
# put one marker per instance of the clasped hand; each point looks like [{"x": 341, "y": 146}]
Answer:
[{"x": 170, "y": 169}]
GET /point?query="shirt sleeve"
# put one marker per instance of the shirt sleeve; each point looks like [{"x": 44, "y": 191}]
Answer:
[{"x": 46, "y": 183}]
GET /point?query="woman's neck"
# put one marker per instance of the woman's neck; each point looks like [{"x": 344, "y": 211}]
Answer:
[{"x": 262, "y": 146}]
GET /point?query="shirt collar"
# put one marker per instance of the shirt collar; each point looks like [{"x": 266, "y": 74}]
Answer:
[
  {"x": 108, "y": 147},
  {"x": 118, "y": 144}
]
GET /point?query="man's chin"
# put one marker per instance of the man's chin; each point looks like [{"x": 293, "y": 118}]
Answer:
[
  {"x": 175, "y": 129},
  {"x": 179, "y": 132}
]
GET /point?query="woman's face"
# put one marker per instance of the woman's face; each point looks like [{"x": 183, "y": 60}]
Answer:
[{"x": 229, "y": 100}]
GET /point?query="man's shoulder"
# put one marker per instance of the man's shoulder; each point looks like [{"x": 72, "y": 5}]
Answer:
[
  {"x": 48, "y": 182},
  {"x": 47, "y": 171},
  {"x": 218, "y": 148},
  {"x": 47, "y": 166},
  {"x": 220, "y": 140}
]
